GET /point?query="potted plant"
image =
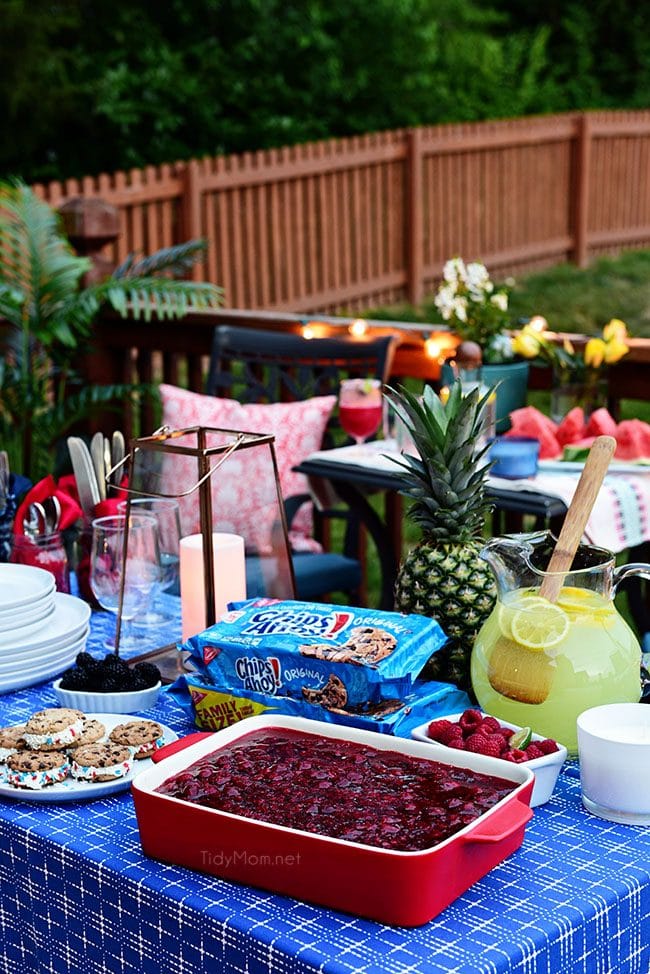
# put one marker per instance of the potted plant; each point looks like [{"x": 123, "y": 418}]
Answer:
[
  {"x": 46, "y": 314},
  {"x": 478, "y": 312},
  {"x": 579, "y": 375}
]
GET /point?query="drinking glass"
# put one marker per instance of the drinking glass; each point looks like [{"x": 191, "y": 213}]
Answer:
[
  {"x": 142, "y": 568},
  {"x": 360, "y": 407},
  {"x": 166, "y": 511}
]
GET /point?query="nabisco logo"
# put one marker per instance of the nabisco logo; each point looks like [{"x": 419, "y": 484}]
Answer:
[
  {"x": 303, "y": 623},
  {"x": 261, "y": 675}
]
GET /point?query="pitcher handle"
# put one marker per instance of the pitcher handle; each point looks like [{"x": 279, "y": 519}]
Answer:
[{"x": 627, "y": 571}]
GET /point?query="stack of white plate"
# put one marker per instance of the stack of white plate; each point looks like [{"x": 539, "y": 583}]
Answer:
[{"x": 41, "y": 630}]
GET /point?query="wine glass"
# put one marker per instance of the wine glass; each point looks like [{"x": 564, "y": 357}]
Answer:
[
  {"x": 142, "y": 568},
  {"x": 166, "y": 511},
  {"x": 360, "y": 407}
]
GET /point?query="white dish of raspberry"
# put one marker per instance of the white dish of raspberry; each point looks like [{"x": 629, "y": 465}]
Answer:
[{"x": 483, "y": 734}]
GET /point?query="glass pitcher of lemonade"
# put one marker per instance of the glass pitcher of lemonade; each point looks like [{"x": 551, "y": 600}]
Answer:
[{"x": 538, "y": 663}]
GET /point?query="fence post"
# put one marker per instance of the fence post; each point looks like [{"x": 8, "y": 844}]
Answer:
[
  {"x": 582, "y": 165},
  {"x": 190, "y": 221},
  {"x": 414, "y": 217}
]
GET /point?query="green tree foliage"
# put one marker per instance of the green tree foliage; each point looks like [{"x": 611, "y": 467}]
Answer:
[
  {"x": 88, "y": 87},
  {"x": 91, "y": 87}
]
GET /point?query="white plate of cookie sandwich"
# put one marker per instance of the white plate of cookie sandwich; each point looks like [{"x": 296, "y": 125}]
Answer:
[{"x": 64, "y": 755}]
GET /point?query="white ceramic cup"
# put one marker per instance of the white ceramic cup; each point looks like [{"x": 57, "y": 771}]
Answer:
[{"x": 614, "y": 753}]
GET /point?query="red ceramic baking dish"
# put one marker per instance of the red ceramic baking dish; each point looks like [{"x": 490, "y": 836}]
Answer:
[{"x": 394, "y": 887}]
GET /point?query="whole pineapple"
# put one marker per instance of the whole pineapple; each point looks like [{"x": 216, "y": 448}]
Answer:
[{"x": 443, "y": 576}]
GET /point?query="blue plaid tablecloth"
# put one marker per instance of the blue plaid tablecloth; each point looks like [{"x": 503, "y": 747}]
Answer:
[{"x": 78, "y": 896}]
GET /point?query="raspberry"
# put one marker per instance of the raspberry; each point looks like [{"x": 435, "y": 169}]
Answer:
[
  {"x": 477, "y": 743},
  {"x": 497, "y": 741},
  {"x": 506, "y": 733},
  {"x": 470, "y": 721},
  {"x": 454, "y": 733},
  {"x": 457, "y": 742},
  {"x": 516, "y": 756},
  {"x": 437, "y": 728},
  {"x": 547, "y": 746},
  {"x": 491, "y": 725},
  {"x": 534, "y": 751},
  {"x": 494, "y": 745}
]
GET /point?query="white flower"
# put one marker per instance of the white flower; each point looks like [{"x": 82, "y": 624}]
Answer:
[
  {"x": 454, "y": 270},
  {"x": 460, "y": 308},
  {"x": 501, "y": 347},
  {"x": 444, "y": 301},
  {"x": 477, "y": 275},
  {"x": 500, "y": 301}
]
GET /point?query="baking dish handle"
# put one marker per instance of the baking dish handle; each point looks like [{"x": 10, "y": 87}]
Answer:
[
  {"x": 179, "y": 745},
  {"x": 502, "y": 824}
]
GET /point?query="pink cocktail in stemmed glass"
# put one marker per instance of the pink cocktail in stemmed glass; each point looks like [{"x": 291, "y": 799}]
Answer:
[{"x": 360, "y": 407}]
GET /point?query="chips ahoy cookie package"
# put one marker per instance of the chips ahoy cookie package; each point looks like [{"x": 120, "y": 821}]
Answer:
[
  {"x": 330, "y": 655},
  {"x": 214, "y": 707}
]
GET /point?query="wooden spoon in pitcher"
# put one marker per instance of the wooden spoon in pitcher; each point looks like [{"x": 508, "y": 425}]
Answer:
[
  {"x": 590, "y": 482},
  {"x": 527, "y": 675}
]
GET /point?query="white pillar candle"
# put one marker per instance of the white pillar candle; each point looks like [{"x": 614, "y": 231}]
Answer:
[{"x": 229, "y": 578}]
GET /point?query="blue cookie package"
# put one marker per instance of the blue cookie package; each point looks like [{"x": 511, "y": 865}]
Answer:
[
  {"x": 332, "y": 655},
  {"x": 213, "y": 707}
]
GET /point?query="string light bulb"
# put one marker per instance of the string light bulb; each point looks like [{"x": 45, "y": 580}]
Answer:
[
  {"x": 432, "y": 348},
  {"x": 358, "y": 328}
]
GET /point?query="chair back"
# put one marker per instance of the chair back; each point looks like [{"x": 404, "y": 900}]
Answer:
[{"x": 252, "y": 365}]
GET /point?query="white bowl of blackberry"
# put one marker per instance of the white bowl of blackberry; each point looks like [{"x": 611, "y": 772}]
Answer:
[{"x": 108, "y": 685}]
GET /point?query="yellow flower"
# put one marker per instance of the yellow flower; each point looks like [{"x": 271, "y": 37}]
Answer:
[
  {"x": 526, "y": 343},
  {"x": 568, "y": 347},
  {"x": 595, "y": 353},
  {"x": 615, "y": 329},
  {"x": 615, "y": 350},
  {"x": 537, "y": 323}
]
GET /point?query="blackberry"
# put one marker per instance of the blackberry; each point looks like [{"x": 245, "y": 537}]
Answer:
[
  {"x": 110, "y": 684},
  {"x": 115, "y": 665},
  {"x": 74, "y": 679},
  {"x": 85, "y": 661},
  {"x": 148, "y": 672}
]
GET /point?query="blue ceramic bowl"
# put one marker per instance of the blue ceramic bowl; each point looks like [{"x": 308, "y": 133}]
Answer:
[{"x": 514, "y": 457}]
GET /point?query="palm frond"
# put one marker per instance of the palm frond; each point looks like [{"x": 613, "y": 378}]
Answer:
[
  {"x": 178, "y": 259},
  {"x": 37, "y": 261}
]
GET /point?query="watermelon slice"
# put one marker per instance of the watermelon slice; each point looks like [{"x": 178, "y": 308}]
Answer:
[
  {"x": 600, "y": 423},
  {"x": 578, "y": 451},
  {"x": 633, "y": 438},
  {"x": 529, "y": 421},
  {"x": 572, "y": 427}
]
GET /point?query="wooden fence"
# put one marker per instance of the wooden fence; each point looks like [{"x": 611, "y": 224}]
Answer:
[{"x": 354, "y": 223}]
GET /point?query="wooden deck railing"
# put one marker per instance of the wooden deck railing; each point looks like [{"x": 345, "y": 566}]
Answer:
[
  {"x": 177, "y": 353},
  {"x": 365, "y": 221}
]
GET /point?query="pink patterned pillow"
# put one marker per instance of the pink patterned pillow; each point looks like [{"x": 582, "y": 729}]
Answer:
[{"x": 243, "y": 500}]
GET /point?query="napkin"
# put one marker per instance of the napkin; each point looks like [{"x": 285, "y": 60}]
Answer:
[{"x": 47, "y": 487}]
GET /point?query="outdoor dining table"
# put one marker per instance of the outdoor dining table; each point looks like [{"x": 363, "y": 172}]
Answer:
[
  {"x": 620, "y": 520},
  {"x": 78, "y": 895}
]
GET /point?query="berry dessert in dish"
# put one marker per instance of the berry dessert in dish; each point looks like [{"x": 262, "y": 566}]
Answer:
[
  {"x": 339, "y": 789},
  {"x": 481, "y": 733},
  {"x": 380, "y": 827}
]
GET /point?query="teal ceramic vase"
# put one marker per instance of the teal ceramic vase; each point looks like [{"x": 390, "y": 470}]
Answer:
[{"x": 511, "y": 393}]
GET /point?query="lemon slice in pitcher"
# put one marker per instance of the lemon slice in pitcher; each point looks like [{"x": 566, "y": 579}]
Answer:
[
  {"x": 509, "y": 609},
  {"x": 539, "y": 626}
]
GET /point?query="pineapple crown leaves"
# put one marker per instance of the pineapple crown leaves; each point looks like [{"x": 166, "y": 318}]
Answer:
[{"x": 447, "y": 480}]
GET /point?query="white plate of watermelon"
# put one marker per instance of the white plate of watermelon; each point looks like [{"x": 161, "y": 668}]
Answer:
[{"x": 565, "y": 445}]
